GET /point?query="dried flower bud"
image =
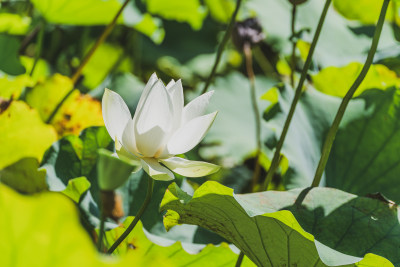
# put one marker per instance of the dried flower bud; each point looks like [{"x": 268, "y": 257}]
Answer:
[{"x": 247, "y": 31}]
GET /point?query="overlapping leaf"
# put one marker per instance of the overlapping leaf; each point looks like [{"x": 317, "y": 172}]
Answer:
[
  {"x": 270, "y": 239},
  {"x": 48, "y": 233},
  {"x": 138, "y": 241}
]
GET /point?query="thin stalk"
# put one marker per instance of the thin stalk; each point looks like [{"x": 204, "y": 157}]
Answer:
[
  {"x": 275, "y": 159},
  {"x": 343, "y": 105},
  {"x": 28, "y": 38},
  {"x": 240, "y": 259},
  {"x": 250, "y": 73},
  {"x": 294, "y": 44},
  {"x": 86, "y": 59},
  {"x": 137, "y": 217},
  {"x": 101, "y": 232},
  {"x": 99, "y": 41},
  {"x": 39, "y": 46},
  {"x": 222, "y": 46}
]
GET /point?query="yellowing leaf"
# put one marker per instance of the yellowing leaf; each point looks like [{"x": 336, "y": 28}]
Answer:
[
  {"x": 11, "y": 87},
  {"x": 337, "y": 81},
  {"x": 77, "y": 113},
  {"x": 14, "y": 23},
  {"x": 23, "y": 134},
  {"x": 45, "y": 96},
  {"x": 44, "y": 231}
]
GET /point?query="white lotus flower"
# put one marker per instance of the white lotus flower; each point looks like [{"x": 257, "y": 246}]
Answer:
[{"x": 160, "y": 129}]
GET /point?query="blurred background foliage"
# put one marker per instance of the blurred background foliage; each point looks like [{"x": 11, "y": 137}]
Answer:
[{"x": 43, "y": 109}]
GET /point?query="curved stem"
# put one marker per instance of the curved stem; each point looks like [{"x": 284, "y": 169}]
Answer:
[
  {"x": 240, "y": 259},
  {"x": 137, "y": 217},
  {"x": 294, "y": 43},
  {"x": 88, "y": 56},
  {"x": 250, "y": 73},
  {"x": 222, "y": 46},
  {"x": 342, "y": 108},
  {"x": 275, "y": 159}
]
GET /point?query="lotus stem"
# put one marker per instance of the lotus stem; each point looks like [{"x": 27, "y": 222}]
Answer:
[
  {"x": 276, "y": 158},
  {"x": 222, "y": 46},
  {"x": 343, "y": 105},
  {"x": 142, "y": 209}
]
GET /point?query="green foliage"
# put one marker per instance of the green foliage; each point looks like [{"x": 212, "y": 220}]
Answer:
[
  {"x": 9, "y": 62},
  {"x": 24, "y": 176},
  {"x": 138, "y": 241},
  {"x": 268, "y": 239},
  {"x": 364, "y": 157},
  {"x": 351, "y": 224},
  {"x": 23, "y": 133},
  {"x": 48, "y": 233}
]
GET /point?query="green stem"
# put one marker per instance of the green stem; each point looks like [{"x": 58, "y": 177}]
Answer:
[
  {"x": 222, "y": 46},
  {"x": 294, "y": 43},
  {"x": 88, "y": 56},
  {"x": 240, "y": 259},
  {"x": 101, "y": 232},
  {"x": 146, "y": 202},
  {"x": 39, "y": 46},
  {"x": 342, "y": 108},
  {"x": 275, "y": 159},
  {"x": 250, "y": 73}
]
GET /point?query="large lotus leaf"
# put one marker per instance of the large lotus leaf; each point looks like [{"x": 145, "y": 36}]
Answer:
[
  {"x": 98, "y": 12},
  {"x": 14, "y": 23},
  {"x": 365, "y": 11},
  {"x": 133, "y": 194},
  {"x": 9, "y": 62},
  {"x": 269, "y": 239},
  {"x": 340, "y": 42},
  {"x": 336, "y": 81},
  {"x": 22, "y": 134},
  {"x": 24, "y": 176},
  {"x": 189, "y": 11},
  {"x": 348, "y": 223},
  {"x": 76, "y": 187},
  {"x": 44, "y": 230},
  {"x": 141, "y": 242},
  {"x": 76, "y": 113},
  {"x": 365, "y": 155},
  {"x": 232, "y": 136}
]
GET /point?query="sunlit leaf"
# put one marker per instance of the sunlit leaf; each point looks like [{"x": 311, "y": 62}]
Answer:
[
  {"x": 337, "y": 81},
  {"x": 138, "y": 242},
  {"x": 11, "y": 87},
  {"x": 189, "y": 11},
  {"x": 24, "y": 176},
  {"x": 48, "y": 233},
  {"x": 76, "y": 187},
  {"x": 76, "y": 113},
  {"x": 270, "y": 239},
  {"x": 99, "y": 12},
  {"x": 14, "y": 23},
  {"x": 23, "y": 134},
  {"x": 365, "y": 11},
  {"x": 221, "y": 10}
]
